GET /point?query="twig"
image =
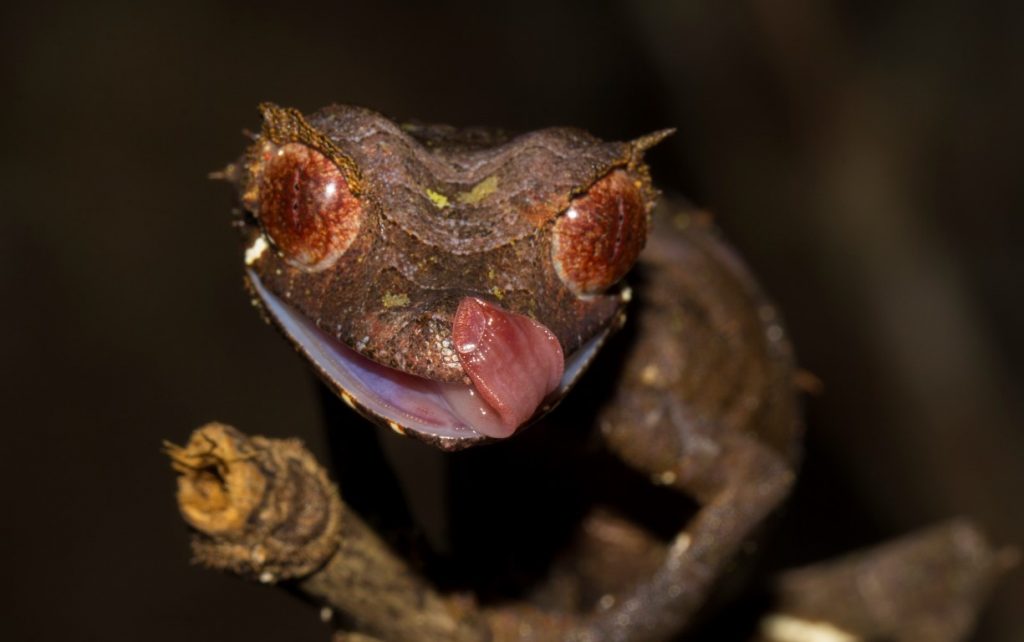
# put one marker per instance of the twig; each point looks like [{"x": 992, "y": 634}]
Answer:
[
  {"x": 928, "y": 585},
  {"x": 264, "y": 509}
]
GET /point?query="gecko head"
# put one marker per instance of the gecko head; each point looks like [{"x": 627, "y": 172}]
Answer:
[{"x": 451, "y": 284}]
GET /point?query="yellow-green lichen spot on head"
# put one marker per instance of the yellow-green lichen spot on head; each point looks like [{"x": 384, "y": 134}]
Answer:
[
  {"x": 480, "y": 191},
  {"x": 439, "y": 200}
]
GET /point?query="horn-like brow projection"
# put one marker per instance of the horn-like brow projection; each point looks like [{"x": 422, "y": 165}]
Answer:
[{"x": 451, "y": 284}]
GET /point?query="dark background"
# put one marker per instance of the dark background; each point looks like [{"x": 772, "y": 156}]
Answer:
[{"x": 864, "y": 157}]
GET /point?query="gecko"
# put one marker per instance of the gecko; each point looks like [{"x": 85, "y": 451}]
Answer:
[{"x": 453, "y": 285}]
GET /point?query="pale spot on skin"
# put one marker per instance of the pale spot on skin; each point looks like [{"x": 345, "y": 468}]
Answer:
[
  {"x": 786, "y": 628},
  {"x": 266, "y": 577},
  {"x": 394, "y": 426},
  {"x": 650, "y": 375},
  {"x": 347, "y": 398},
  {"x": 326, "y": 613},
  {"x": 652, "y": 417},
  {"x": 680, "y": 545},
  {"x": 256, "y": 250},
  {"x": 666, "y": 478}
]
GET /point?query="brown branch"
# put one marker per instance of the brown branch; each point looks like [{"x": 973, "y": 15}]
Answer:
[
  {"x": 265, "y": 509},
  {"x": 928, "y": 585}
]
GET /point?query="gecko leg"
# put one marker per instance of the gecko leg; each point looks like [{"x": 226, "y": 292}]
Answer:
[
  {"x": 705, "y": 404},
  {"x": 663, "y": 603}
]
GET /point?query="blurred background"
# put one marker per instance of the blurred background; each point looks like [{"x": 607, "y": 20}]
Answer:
[{"x": 864, "y": 157}]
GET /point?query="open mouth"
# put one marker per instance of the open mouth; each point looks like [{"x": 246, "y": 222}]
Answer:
[{"x": 514, "y": 365}]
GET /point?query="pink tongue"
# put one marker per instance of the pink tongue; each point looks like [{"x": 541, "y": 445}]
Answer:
[{"x": 513, "y": 361}]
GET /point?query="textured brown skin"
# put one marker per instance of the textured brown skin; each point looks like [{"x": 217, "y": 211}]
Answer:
[
  {"x": 705, "y": 404},
  {"x": 711, "y": 360},
  {"x": 422, "y": 255}
]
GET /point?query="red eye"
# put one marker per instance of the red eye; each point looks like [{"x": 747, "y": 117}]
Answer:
[
  {"x": 596, "y": 241},
  {"x": 306, "y": 208}
]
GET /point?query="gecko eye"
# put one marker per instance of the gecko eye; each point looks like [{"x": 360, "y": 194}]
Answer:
[
  {"x": 598, "y": 238},
  {"x": 306, "y": 207}
]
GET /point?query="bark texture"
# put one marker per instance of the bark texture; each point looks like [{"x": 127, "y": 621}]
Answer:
[
  {"x": 929, "y": 585},
  {"x": 264, "y": 508}
]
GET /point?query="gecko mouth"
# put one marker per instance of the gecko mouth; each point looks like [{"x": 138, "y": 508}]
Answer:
[{"x": 515, "y": 369}]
